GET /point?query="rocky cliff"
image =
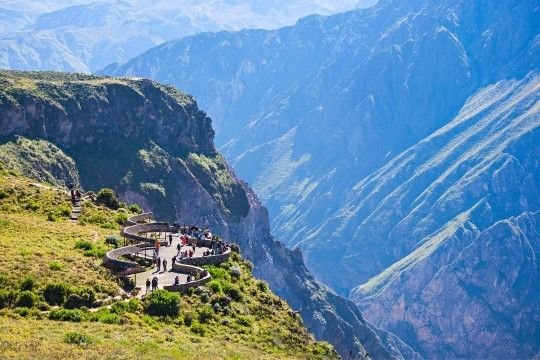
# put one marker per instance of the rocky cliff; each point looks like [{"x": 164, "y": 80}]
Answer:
[
  {"x": 154, "y": 146},
  {"x": 304, "y": 113}
]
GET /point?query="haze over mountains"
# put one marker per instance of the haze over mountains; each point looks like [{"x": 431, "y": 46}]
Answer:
[
  {"x": 87, "y": 35},
  {"x": 397, "y": 146},
  {"x": 385, "y": 142}
]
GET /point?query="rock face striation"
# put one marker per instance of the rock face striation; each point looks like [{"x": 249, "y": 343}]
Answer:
[{"x": 154, "y": 146}]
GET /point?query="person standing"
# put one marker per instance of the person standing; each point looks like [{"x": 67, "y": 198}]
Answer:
[
  {"x": 164, "y": 265},
  {"x": 147, "y": 285},
  {"x": 158, "y": 264},
  {"x": 170, "y": 239}
]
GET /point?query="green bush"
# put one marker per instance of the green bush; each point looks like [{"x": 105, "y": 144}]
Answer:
[
  {"x": 121, "y": 218},
  {"x": 198, "y": 329},
  {"x": 113, "y": 241},
  {"x": 132, "y": 305},
  {"x": 109, "y": 318},
  {"x": 64, "y": 211},
  {"x": 77, "y": 338},
  {"x": 188, "y": 319},
  {"x": 7, "y": 298},
  {"x": 262, "y": 286},
  {"x": 28, "y": 283},
  {"x": 55, "y": 293},
  {"x": 244, "y": 321},
  {"x": 215, "y": 286},
  {"x": 234, "y": 293},
  {"x": 206, "y": 314},
  {"x": 26, "y": 299},
  {"x": 55, "y": 265},
  {"x": 107, "y": 197},
  {"x": 74, "y": 315},
  {"x": 163, "y": 303},
  {"x": 134, "y": 208},
  {"x": 108, "y": 225},
  {"x": 95, "y": 252},
  {"x": 84, "y": 245},
  {"x": 51, "y": 216},
  {"x": 84, "y": 296}
]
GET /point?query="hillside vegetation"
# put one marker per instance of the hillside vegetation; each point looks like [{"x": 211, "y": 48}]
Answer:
[{"x": 57, "y": 301}]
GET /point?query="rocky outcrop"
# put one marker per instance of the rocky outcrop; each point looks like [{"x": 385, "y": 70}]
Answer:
[
  {"x": 154, "y": 146},
  {"x": 40, "y": 160}
]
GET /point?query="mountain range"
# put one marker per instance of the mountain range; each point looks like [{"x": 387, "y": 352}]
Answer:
[
  {"x": 85, "y": 36},
  {"x": 391, "y": 144}
]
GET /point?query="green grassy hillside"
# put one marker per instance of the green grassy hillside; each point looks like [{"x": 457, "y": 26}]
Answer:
[{"x": 57, "y": 301}]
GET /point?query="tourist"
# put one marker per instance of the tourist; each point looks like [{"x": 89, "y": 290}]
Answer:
[
  {"x": 178, "y": 247},
  {"x": 164, "y": 265},
  {"x": 176, "y": 280},
  {"x": 154, "y": 283},
  {"x": 158, "y": 264},
  {"x": 147, "y": 285},
  {"x": 173, "y": 261},
  {"x": 170, "y": 239},
  {"x": 188, "y": 278}
]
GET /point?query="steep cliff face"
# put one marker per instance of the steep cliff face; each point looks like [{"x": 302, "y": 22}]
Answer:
[
  {"x": 154, "y": 146},
  {"x": 305, "y": 112},
  {"x": 460, "y": 212}
]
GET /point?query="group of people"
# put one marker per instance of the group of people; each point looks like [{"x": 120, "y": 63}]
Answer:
[
  {"x": 153, "y": 283},
  {"x": 188, "y": 237}
]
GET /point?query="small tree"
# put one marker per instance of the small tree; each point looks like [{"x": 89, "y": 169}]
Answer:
[
  {"x": 108, "y": 198},
  {"x": 55, "y": 293},
  {"x": 163, "y": 303}
]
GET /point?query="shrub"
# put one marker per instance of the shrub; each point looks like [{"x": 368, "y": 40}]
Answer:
[
  {"x": 32, "y": 206},
  {"x": 75, "y": 315},
  {"x": 4, "y": 195},
  {"x": 77, "y": 338},
  {"x": 234, "y": 293},
  {"x": 55, "y": 265},
  {"x": 7, "y": 298},
  {"x": 198, "y": 329},
  {"x": 134, "y": 208},
  {"x": 64, "y": 211},
  {"x": 22, "y": 311},
  {"x": 215, "y": 286},
  {"x": 121, "y": 307},
  {"x": 206, "y": 314},
  {"x": 28, "y": 283},
  {"x": 244, "y": 321},
  {"x": 81, "y": 297},
  {"x": 262, "y": 286},
  {"x": 51, "y": 216},
  {"x": 26, "y": 299},
  {"x": 121, "y": 218},
  {"x": 163, "y": 303},
  {"x": 55, "y": 293},
  {"x": 188, "y": 319},
  {"x": 112, "y": 240},
  {"x": 84, "y": 245},
  {"x": 108, "y": 225},
  {"x": 107, "y": 197},
  {"x": 95, "y": 252},
  {"x": 109, "y": 318}
]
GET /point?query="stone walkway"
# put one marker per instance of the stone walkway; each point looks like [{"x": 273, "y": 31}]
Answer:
[
  {"x": 165, "y": 277},
  {"x": 75, "y": 210}
]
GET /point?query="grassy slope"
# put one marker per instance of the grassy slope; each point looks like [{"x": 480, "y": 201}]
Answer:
[{"x": 258, "y": 326}]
